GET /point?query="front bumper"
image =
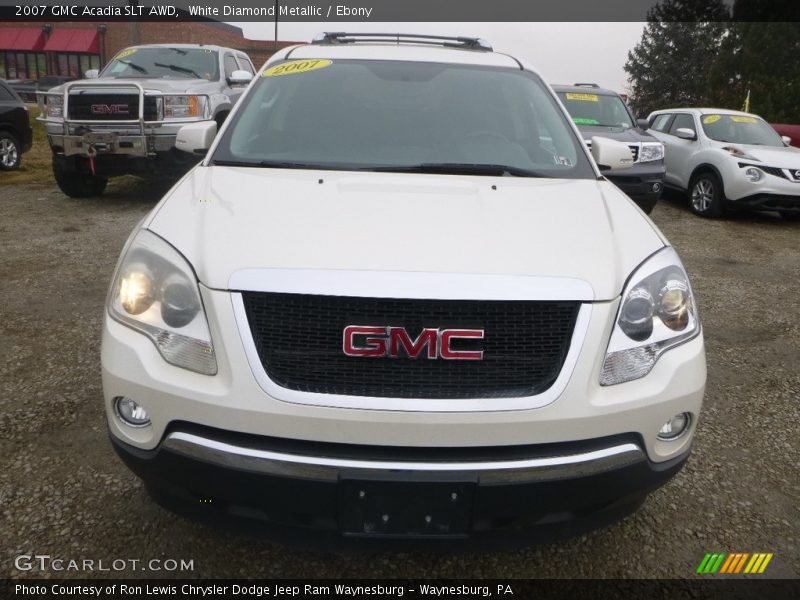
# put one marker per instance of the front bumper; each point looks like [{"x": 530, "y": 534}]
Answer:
[
  {"x": 643, "y": 183},
  {"x": 111, "y": 143},
  {"x": 334, "y": 492},
  {"x": 773, "y": 192}
]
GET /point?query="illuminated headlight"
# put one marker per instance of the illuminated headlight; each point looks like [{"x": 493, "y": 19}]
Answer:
[
  {"x": 651, "y": 151},
  {"x": 55, "y": 106},
  {"x": 182, "y": 107},
  {"x": 155, "y": 292},
  {"x": 753, "y": 175},
  {"x": 657, "y": 313}
]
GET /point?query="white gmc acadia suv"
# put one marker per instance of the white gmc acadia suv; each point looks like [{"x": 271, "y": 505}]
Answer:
[{"x": 398, "y": 299}]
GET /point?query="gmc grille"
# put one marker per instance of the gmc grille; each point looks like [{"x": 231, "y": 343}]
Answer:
[
  {"x": 80, "y": 107},
  {"x": 299, "y": 342}
]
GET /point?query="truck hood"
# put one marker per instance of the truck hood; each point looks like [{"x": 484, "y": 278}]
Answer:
[
  {"x": 159, "y": 84},
  {"x": 228, "y": 219},
  {"x": 631, "y": 135}
]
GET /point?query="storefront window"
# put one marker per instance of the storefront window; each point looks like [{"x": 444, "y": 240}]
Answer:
[{"x": 62, "y": 64}]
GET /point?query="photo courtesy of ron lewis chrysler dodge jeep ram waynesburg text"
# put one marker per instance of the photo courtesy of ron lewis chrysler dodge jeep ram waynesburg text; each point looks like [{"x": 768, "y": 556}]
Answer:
[{"x": 397, "y": 299}]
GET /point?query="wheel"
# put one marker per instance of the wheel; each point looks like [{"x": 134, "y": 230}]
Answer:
[
  {"x": 706, "y": 195},
  {"x": 75, "y": 184},
  {"x": 10, "y": 156}
]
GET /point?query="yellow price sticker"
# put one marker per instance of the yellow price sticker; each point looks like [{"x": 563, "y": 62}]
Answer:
[
  {"x": 711, "y": 119},
  {"x": 296, "y": 66},
  {"x": 582, "y": 97},
  {"x": 744, "y": 120},
  {"x": 125, "y": 53}
]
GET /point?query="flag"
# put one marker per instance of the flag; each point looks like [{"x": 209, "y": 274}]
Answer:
[{"x": 746, "y": 105}]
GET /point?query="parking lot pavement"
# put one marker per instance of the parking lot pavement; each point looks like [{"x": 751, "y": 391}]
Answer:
[{"x": 64, "y": 493}]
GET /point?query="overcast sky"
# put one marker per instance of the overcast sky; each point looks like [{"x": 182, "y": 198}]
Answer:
[{"x": 561, "y": 52}]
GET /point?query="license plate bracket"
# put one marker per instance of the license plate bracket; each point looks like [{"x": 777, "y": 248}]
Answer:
[
  {"x": 405, "y": 508},
  {"x": 103, "y": 138}
]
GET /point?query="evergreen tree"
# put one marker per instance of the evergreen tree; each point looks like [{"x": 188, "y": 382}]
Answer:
[{"x": 671, "y": 65}]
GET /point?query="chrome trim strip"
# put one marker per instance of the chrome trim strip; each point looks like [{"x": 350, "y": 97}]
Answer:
[
  {"x": 410, "y": 404},
  {"x": 317, "y": 467}
]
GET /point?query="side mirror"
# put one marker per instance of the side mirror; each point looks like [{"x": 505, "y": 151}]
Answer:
[
  {"x": 610, "y": 154},
  {"x": 91, "y": 74},
  {"x": 196, "y": 138},
  {"x": 786, "y": 139},
  {"x": 685, "y": 133},
  {"x": 239, "y": 78},
  {"x": 643, "y": 123}
]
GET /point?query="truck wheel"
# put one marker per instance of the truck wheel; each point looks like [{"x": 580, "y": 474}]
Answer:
[
  {"x": 10, "y": 156},
  {"x": 706, "y": 195},
  {"x": 77, "y": 185}
]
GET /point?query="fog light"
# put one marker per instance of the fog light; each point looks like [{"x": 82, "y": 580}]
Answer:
[
  {"x": 656, "y": 187},
  {"x": 675, "y": 427},
  {"x": 130, "y": 412},
  {"x": 753, "y": 174}
]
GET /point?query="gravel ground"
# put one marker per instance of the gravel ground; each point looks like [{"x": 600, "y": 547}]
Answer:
[{"x": 64, "y": 493}]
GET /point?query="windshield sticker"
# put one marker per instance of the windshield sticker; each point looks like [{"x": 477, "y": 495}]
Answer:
[
  {"x": 297, "y": 66},
  {"x": 585, "y": 121},
  {"x": 744, "y": 119},
  {"x": 125, "y": 53},
  {"x": 582, "y": 97},
  {"x": 711, "y": 119}
]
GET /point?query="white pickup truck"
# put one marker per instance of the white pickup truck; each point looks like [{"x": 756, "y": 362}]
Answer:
[{"x": 123, "y": 120}]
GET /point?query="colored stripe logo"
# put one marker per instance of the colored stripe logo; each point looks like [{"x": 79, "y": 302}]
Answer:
[{"x": 734, "y": 563}]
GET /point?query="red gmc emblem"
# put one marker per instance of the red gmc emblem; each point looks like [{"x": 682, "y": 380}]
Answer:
[
  {"x": 107, "y": 109},
  {"x": 379, "y": 342}
]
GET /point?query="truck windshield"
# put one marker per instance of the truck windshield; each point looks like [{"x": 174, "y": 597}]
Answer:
[
  {"x": 403, "y": 117},
  {"x": 600, "y": 110},
  {"x": 740, "y": 129},
  {"x": 164, "y": 62}
]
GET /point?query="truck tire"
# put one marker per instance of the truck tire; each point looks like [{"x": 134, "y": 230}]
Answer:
[{"x": 75, "y": 184}]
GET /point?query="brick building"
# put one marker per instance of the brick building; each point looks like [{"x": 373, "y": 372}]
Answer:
[{"x": 30, "y": 50}]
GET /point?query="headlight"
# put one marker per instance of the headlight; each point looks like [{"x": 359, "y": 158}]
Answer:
[
  {"x": 651, "y": 151},
  {"x": 182, "y": 107},
  {"x": 739, "y": 153},
  {"x": 55, "y": 106},
  {"x": 657, "y": 313},
  {"x": 155, "y": 292}
]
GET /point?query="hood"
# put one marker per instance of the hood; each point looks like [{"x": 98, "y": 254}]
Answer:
[
  {"x": 226, "y": 219},
  {"x": 770, "y": 156},
  {"x": 172, "y": 86},
  {"x": 616, "y": 133}
]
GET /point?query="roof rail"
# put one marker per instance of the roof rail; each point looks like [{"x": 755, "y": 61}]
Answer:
[
  {"x": 591, "y": 85},
  {"x": 340, "y": 37}
]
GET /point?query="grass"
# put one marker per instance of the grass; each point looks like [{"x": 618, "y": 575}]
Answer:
[{"x": 36, "y": 164}]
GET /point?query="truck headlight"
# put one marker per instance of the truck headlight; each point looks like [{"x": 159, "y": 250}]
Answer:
[
  {"x": 651, "y": 151},
  {"x": 55, "y": 106},
  {"x": 155, "y": 292},
  {"x": 183, "y": 107},
  {"x": 657, "y": 313}
]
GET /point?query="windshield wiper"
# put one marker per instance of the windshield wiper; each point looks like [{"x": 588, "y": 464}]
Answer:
[
  {"x": 269, "y": 164},
  {"x": 460, "y": 169},
  {"x": 132, "y": 65},
  {"x": 178, "y": 68}
]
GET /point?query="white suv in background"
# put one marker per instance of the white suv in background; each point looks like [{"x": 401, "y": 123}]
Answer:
[
  {"x": 382, "y": 308},
  {"x": 728, "y": 159}
]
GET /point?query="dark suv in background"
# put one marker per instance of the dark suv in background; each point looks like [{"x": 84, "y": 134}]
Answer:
[
  {"x": 16, "y": 134},
  {"x": 600, "y": 112}
]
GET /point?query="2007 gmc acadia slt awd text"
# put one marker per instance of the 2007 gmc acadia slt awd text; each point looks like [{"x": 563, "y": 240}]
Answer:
[{"x": 398, "y": 300}]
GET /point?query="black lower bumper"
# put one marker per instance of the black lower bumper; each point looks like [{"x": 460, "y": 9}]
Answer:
[
  {"x": 774, "y": 202},
  {"x": 173, "y": 163},
  {"x": 394, "y": 505},
  {"x": 645, "y": 191}
]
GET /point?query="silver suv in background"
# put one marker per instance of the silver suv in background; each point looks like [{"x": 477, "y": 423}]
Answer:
[
  {"x": 601, "y": 112},
  {"x": 124, "y": 119}
]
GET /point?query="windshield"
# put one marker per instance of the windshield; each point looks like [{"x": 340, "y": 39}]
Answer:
[
  {"x": 172, "y": 63},
  {"x": 596, "y": 109},
  {"x": 403, "y": 116},
  {"x": 740, "y": 129}
]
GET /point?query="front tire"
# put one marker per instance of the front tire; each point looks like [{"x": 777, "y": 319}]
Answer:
[
  {"x": 75, "y": 184},
  {"x": 10, "y": 155},
  {"x": 706, "y": 195}
]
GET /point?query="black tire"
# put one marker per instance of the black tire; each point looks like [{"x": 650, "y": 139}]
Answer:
[
  {"x": 706, "y": 195},
  {"x": 10, "y": 152},
  {"x": 78, "y": 185}
]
